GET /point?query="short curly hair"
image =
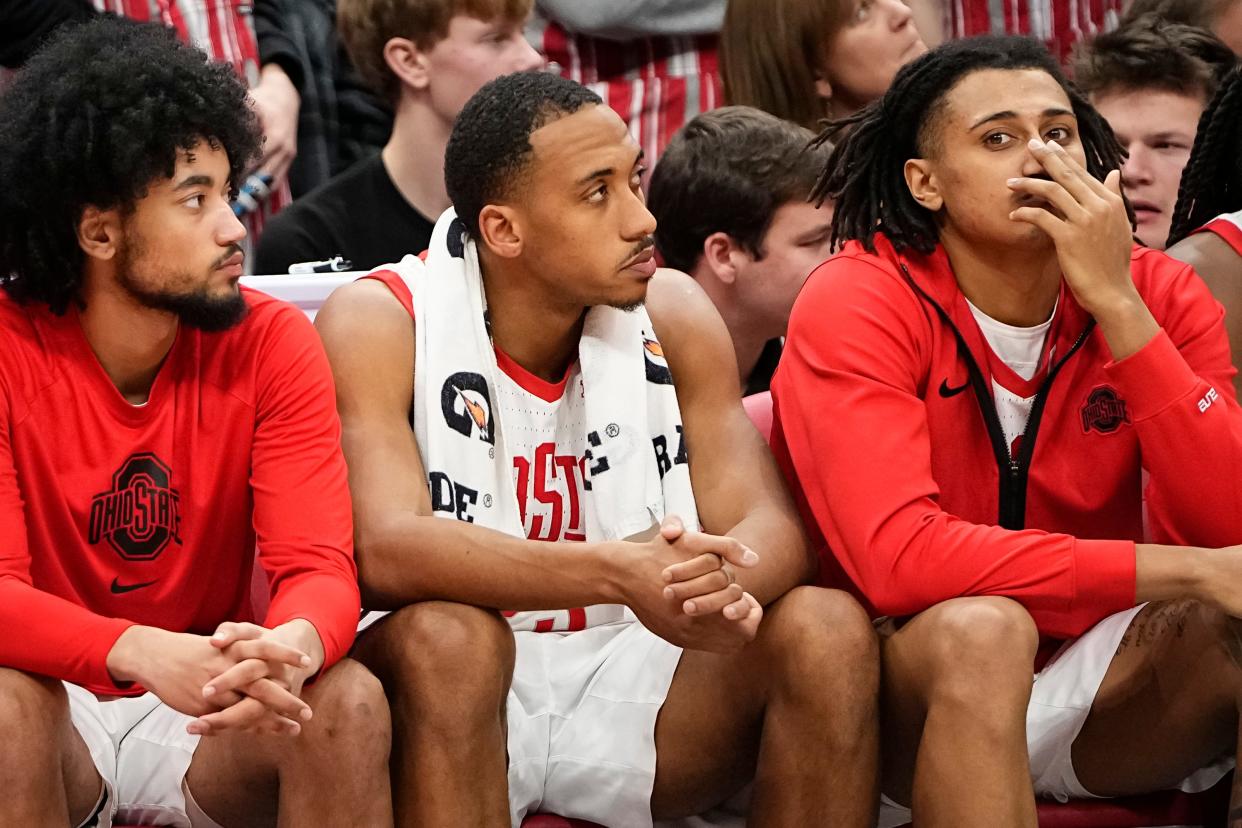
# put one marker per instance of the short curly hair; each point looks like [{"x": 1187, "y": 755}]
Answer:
[
  {"x": 96, "y": 116},
  {"x": 490, "y": 145}
]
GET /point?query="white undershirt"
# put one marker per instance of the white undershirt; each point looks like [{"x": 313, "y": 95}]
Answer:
[{"x": 1020, "y": 349}]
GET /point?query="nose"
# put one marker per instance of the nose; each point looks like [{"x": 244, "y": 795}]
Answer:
[
  {"x": 229, "y": 229},
  {"x": 640, "y": 223},
  {"x": 1137, "y": 167},
  {"x": 1031, "y": 168},
  {"x": 899, "y": 14},
  {"x": 528, "y": 58}
]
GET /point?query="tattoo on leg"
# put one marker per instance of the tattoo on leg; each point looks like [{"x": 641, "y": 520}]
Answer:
[{"x": 1156, "y": 624}]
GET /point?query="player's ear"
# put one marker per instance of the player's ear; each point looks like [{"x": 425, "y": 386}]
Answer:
[
  {"x": 99, "y": 233},
  {"x": 501, "y": 230},
  {"x": 923, "y": 184}
]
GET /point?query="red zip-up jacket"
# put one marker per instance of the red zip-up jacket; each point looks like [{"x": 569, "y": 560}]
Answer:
[{"x": 885, "y": 426}]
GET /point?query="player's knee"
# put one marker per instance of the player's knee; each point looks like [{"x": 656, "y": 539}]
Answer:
[
  {"x": 440, "y": 643},
  {"x": 1224, "y": 634},
  {"x": 825, "y": 631},
  {"x": 981, "y": 646},
  {"x": 351, "y": 712},
  {"x": 33, "y": 712}
]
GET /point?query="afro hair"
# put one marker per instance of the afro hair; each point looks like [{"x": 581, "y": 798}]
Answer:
[{"x": 93, "y": 119}]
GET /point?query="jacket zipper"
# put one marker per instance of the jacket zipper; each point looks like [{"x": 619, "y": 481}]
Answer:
[{"x": 1013, "y": 471}]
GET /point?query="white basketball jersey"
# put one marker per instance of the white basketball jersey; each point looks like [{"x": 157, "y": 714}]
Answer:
[{"x": 544, "y": 425}]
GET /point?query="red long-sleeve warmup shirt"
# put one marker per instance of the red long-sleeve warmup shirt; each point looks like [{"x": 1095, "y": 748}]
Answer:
[
  {"x": 113, "y": 514},
  {"x": 885, "y": 426}
]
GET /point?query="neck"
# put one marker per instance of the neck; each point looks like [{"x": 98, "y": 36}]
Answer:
[
  {"x": 539, "y": 332},
  {"x": 747, "y": 330},
  {"x": 1015, "y": 286},
  {"x": 414, "y": 156},
  {"x": 129, "y": 340}
]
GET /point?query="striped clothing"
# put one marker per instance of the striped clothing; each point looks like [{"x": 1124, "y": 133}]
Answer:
[
  {"x": 656, "y": 83},
  {"x": 1062, "y": 24}
]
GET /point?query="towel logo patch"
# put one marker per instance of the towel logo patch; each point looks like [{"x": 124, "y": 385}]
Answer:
[
  {"x": 467, "y": 406},
  {"x": 657, "y": 366},
  {"x": 1104, "y": 411},
  {"x": 141, "y": 513}
]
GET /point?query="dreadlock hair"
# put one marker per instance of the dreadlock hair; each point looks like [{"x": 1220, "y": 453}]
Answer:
[
  {"x": 864, "y": 175},
  {"x": 1212, "y": 180},
  {"x": 93, "y": 119}
]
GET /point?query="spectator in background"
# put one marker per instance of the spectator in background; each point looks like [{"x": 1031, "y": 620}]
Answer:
[
  {"x": 652, "y": 61},
  {"x": 1223, "y": 17},
  {"x": 805, "y": 60},
  {"x": 1207, "y": 222},
  {"x": 256, "y": 48},
  {"x": 426, "y": 57},
  {"x": 1060, "y": 24},
  {"x": 730, "y": 200},
  {"x": 1151, "y": 80}
]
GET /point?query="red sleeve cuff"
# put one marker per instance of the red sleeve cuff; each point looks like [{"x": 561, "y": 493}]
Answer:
[
  {"x": 97, "y": 679},
  {"x": 1153, "y": 378},
  {"x": 1104, "y": 580},
  {"x": 331, "y": 605}
]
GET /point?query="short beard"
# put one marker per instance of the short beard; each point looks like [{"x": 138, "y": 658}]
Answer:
[
  {"x": 195, "y": 309},
  {"x": 628, "y": 307}
]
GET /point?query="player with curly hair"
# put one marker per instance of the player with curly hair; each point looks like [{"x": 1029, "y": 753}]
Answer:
[{"x": 155, "y": 420}]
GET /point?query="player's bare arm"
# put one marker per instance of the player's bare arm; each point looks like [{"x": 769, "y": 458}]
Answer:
[
  {"x": 1218, "y": 265},
  {"x": 737, "y": 485},
  {"x": 405, "y": 554}
]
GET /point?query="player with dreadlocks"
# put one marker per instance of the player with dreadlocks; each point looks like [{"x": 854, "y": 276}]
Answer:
[
  {"x": 970, "y": 394},
  {"x": 1210, "y": 199}
]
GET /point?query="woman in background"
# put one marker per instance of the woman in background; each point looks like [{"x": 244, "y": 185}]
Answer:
[{"x": 805, "y": 60}]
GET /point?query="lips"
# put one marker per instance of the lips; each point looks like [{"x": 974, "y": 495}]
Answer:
[
  {"x": 1144, "y": 209},
  {"x": 232, "y": 265},
  {"x": 643, "y": 263}
]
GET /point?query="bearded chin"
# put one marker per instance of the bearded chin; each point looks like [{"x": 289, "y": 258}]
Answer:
[
  {"x": 195, "y": 309},
  {"x": 202, "y": 312}
]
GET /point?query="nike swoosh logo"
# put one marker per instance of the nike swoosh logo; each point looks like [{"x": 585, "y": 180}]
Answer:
[
  {"x": 120, "y": 589},
  {"x": 946, "y": 391}
]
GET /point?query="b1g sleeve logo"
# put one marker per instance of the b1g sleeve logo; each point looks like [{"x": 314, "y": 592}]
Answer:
[{"x": 142, "y": 511}]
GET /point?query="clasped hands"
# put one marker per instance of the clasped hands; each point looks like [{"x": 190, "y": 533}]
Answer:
[
  {"x": 693, "y": 598},
  {"x": 244, "y": 677}
]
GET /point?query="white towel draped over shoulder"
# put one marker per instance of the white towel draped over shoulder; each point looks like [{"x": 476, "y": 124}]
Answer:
[{"x": 637, "y": 469}]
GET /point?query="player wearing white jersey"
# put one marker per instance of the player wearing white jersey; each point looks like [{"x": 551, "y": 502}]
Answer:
[{"x": 615, "y": 721}]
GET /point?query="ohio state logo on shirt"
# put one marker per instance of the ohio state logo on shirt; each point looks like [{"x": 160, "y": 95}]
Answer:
[
  {"x": 141, "y": 513},
  {"x": 1104, "y": 411}
]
